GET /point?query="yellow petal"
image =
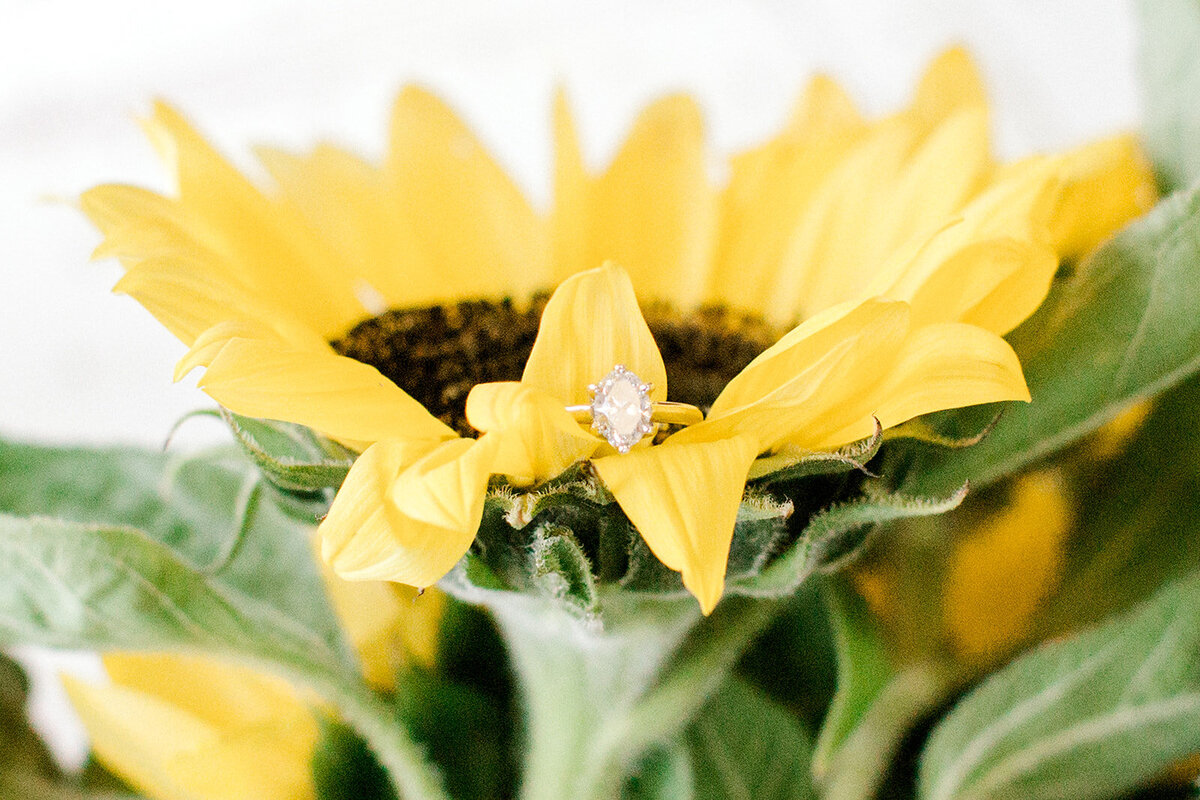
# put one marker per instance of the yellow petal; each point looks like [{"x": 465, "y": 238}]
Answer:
[
  {"x": 954, "y": 273},
  {"x": 188, "y": 299},
  {"x": 446, "y": 488},
  {"x": 1107, "y": 184},
  {"x": 950, "y": 83},
  {"x": 831, "y": 253},
  {"x": 474, "y": 226},
  {"x": 271, "y": 761},
  {"x": 138, "y": 224},
  {"x": 351, "y": 204},
  {"x": 1003, "y": 570},
  {"x": 356, "y": 534},
  {"x": 368, "y": 535},
  {"x": 135, "y": 736},
  {"x": 873, "y": 328},
  {"x": 272, "y": 250},
  {"x": 388, "y": 625},
  {"x": 654, "y": 210},
  {"x": 569, "y": 218},
  {"x": 948, "y": 365},
  {"x": 220, "y": 694},
  {"x": 262, "y": 376},
  {"x": 537, "y": 437},
  {"x": 807, "y": 390},
  {"x": 994, "y": 284},
  {"x": 770, "y": 187},
  {"x": 591, "y": 324},
  {"x": 684, "y": 499}
]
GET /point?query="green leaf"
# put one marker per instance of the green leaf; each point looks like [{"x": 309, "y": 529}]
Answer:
[
  {"x": 1088, "y": 717},
  {"x": 876, "y": 705},
  {"x": 457, "y": 724},
  {"x": 1122, "y": 327},
  {"x": 664, "y": 774},
  {"x": 142, "y": 550},
  {"x": 292, "y": 457},
  {"x": 1170, "y": 72},
  {"x": 744, "y": 746}
]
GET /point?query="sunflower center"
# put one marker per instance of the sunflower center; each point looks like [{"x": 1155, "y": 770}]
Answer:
[{"x": 438, "y": 353}]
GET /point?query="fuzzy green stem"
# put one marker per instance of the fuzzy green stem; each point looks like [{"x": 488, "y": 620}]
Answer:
[{"x": 598, "y": 694}]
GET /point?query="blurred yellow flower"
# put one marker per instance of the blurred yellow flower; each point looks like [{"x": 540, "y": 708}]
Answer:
[
  {"x": 1001, "y": 572},
  {"x": 179, "y": 727},
  {"x": 902, "y": 249},
  {"x": 189, "y": 727}
]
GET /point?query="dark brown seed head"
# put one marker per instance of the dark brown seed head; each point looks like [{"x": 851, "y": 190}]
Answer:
[{"x": 438, "y": 353}]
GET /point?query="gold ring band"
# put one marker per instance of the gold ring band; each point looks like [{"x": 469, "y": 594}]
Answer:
[{"x": 664, "y": 413}]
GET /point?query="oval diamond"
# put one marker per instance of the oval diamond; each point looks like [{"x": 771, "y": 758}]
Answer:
[{"x": 621, "y": 408}]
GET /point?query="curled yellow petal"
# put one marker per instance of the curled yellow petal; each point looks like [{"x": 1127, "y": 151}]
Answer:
[
  {"x": 446, "y": 487},
  {"x": 407, "y": 512},
  {"x": 537, "y": 438},
  {"x": 684, "y": 499},
  {"x": 992, "y": 262},
  {"x": 591, "y": 324}
]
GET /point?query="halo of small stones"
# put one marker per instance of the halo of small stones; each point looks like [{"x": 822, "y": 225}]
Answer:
[{"x": 601, "y": 423}]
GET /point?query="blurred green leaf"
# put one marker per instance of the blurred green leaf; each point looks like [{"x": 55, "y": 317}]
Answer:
[
  {"x": 664, "y": 774},
  {"x": 1122, "y": 327},
  {"x": 863, "y": 669},
  {"x": 344, "y": 768},
  {"x": 1139, "y": 519},
  {"x": 743, "y": 745},
  {"x": 139, "y": 550},
  {"x": 1088, "y": 717},
  {"x": 1170, "y": 72}
]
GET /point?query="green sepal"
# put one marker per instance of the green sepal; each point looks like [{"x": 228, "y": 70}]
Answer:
[
  {"x": 832, "y": 536},
  {"x": 953, "y": 430},
  {"x": 292, "y": 457},
  {"x": 791, "y": 464},
  {"x": 561, "y": 569}
]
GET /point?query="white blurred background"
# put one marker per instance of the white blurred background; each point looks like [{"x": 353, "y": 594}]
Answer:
[{"x": 78, "y": 364}]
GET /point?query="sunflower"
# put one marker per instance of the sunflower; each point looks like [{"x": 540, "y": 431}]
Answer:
[{"x": 848, "y": 271}]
